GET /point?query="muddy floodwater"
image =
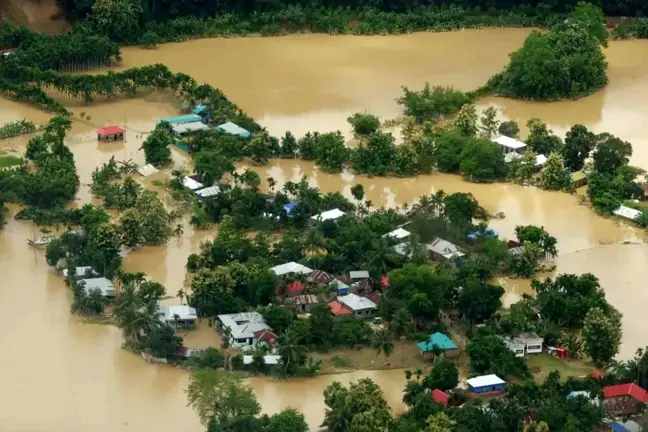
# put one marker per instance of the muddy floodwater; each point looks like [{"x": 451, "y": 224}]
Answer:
[{"x": 61, "y": 375}]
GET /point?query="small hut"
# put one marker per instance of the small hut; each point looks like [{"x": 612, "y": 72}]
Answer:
[{"x": 110, "y": 133}]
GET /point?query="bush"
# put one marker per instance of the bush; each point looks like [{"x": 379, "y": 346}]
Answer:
[
  {"x": 432, "y": 103},
  {"x": 364, "y": 124},
  {"x": 149, "y": 39}
]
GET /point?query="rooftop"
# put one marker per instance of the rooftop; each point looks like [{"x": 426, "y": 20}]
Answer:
[
  {"x": 291, "y": 267},
  {"x": 81, "y": 272},
  {"x": 632, "y": 390},
  {"x": 320, "y": 276},
  {"x": 359, "y": 274},
  {"x": 234, "y": 129},
  {"x": 187, "y": 118},
  {"x": 338, "y": 308},
  {"x": 184, "y": 128},
  {"x": 191, "y": 184},
  {"x": 577, "y": 176},
  {"x": 627, "y": 212},
  {"x": 509, "y": 142},
  {"x": 305, "y": 299},
  {"x": 398, "y": 234},
  {"x": 437, "y": 339},
  {"x": 356, "y": 303},
  {"x": 267, "y": 359},
  {"x": 488, "y": 232},
  {"x": 208, "y": 191},
  {"x": 629, "y": 426},
  {"x": 183, "y": 312},
  {"x": 328, "y": 215},
  {"x": 111, "y": 130},
  {"x": 440, "y": 397},
  {"x": 102, "y": 284},
  {"x": 485, "y": 380},
  {"x": 243, "y": 325},
  {"x": 147, "y": 170},
  {"x": 444, "y": 248}
]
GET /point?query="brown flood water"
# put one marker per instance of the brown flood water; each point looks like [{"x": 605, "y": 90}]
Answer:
[{"x": 64, "y": 375}]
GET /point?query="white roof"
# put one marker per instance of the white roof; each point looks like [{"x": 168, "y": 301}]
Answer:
[
  {"x": 444, "y": 248},
  {"x": 509, "y": 142},
  {"x": 541, "y": 159},
  {"x": 291, "y": 267},
  {"x": 329, "y": 215},
  {"x": 208, "y": 191},
  {"x": 485, "y": 380},
  {"x": 184, "y": 313},
  {"x": 81, "y": 271},
  {"x": 510, "y": 157},
  {"x": 191, "y": 184},
  {"x": 356, "y": 303},
  {"x": 359, "y": 274},
  {"x": 627, "y": 212},
  {"x": 189, "y": 127},
  {"x": 243, "y": 325},
  {"x": 267, "y": 359},
  {"x": 398, "y": 234},
  {"x": 147, "y": 170},
  {"x": 401, "y": 248},
  {"x": 102, "y": 284}
]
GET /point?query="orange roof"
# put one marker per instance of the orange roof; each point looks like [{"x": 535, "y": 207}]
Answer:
[
  {"x": 110, "y": 130},
  {"x": 338, "y": 308},
  {"x": 440, "y": 397}
]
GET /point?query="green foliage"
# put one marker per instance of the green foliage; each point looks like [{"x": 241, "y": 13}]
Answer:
[
  {"x": 553, "y": 175},
  {"x": 432, "y": 103},
  {"x": 611, "y": 153},
  {"x": 591, "y": 19},
  {"x": 523, "y": 168},
  {"x": 288, "y": 420},
  {"x": 156, "y": 146},
  {"x": 448, "y": 149},
  {"x": 364, "y": 124},
  {"x": 163, "y": 342},
  {"x": 375, "y": 155},
  {"x": 537, "y": 236},
  {"x": 601, "y": 335},
  {"x": 149, "y": 39},
  {"x": 541, "y": 139},
  {"x": 360, "y": 407},
  {"x": 117, "y": 19},
  {"x": 482, "y": 160},
  {"x": 478, "y": 300},
  {"x": 16, "y": 128},
  {"x": 489, "y": 355},
  {"x": 579, "y": 142},
  {"x": 489, "y": 124},
  {"x": 527, "y": 263},
  {"x": 288, "y": 146},
  {"x": 210, "y": 358},
  {"x": 444, "y": 376},
  {"x": 561, "y": 64},
  {"x": 509, "y": 128}
]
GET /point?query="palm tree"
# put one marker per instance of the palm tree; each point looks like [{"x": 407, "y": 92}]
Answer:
[
  {"x": 181, "y": 294},
  {"x": 384, "y": 258},
  {"x": 383, "y": 343},
  {"x": 95, "y": 301},
  {"x": 225, "y": 344},
  {"x": 401, "y": 326},
  {"x": 291, "y": 351}
]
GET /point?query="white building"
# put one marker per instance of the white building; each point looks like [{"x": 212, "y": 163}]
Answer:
[
  {"x": 102, "y": 284},
  {"x": 509, "y": 145},
  {"x": 443, "y": 250},
  {"x": 524, "y": 344},
  {"x": 291, "y": 268},
  {"x": 360, "y": 306},
  {"x": 398, "y": 234},
  {"x": 627, "y": 212},
  {"x": 81, "y": 272},
  {"x": 246, "y": 328},
  {"x": 334, "y": 214},
  {"x": 179, "y": 316},
  {"x": 191, "y": 184},
  {"x": 270, "y": 360}
]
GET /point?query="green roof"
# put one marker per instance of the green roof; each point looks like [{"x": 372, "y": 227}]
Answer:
[
  {"x": 578, "y": 175},
  {"x": 438, "y": 339}
]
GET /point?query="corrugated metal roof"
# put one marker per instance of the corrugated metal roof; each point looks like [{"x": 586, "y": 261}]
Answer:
[
  {"x": 187, "y": 118},
  {"x": 398, "y": 234},
  {"x": 234, "y": 129},
  {"x": 485, "y": 380},
  {"x": 509, "y": 142},
  {"x": 356, "y": 303},
  {"x": 329, "y": 215},
  {"x": 208, "y": 191},
  {"x": 191, "y": 184},
  {"x": 291, "y": 267},
  {"x": 102, "y": 284},
  {"x": 184, "y": 128},
  {"x": 627, "y": 212},
  {"x": 243, "y": 325},
  {"x": 182, "y": 311},
  {"x": 111, "y": 130},
  {"x": 147, "y": 170}
]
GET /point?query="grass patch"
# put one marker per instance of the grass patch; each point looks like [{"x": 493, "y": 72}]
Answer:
[
  {"x": 9, "y": 161},
  {"x": 340, "y": 362},
  {"x": 541, "y": 365}
]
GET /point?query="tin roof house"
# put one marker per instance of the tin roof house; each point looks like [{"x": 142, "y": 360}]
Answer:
[
  {"x": 438, "y": 341},
  {"x": 102, "y": 284},
  {"x": 360, "y": 306},
  {"x": 181, "y": 316},
  {"x": 246, "y": 328},
  {"x": 443, "y": 250},
  {"x": 291, "y": 268},
  {"x": 486, "y": 384}
]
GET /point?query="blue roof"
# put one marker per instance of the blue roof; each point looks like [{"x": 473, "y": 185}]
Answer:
[
  {"x": 199, "y": 108},
  {"x": 234, "y": 129},
  {"x": 290, "y": 206},
  {"x": 438, "y": 339},
  {"x": 618, "y": 427},
  {"x": 488, "y": 231},
  {"x": 187, "y": 118}
]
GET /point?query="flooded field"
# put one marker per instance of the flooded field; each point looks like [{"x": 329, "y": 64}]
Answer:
[{"x": 67, "y": 376}]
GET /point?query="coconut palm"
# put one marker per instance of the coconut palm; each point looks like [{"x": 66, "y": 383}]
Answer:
[
  {"x": 383, "y": 343},
  {"x": 95, "y": 301},
  {"x": 181, "y": 294},
  {"x": 291, "y": 351}
]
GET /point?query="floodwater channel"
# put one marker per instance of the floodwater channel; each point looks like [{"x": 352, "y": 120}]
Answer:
[{"x": 60, "y": 374}]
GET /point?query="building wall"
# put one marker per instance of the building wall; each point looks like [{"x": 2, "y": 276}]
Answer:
[{"x": 486, "y": 389}]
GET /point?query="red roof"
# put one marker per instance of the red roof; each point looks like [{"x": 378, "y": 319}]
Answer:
[
  {"x": 265, "y": 335},
  {"x": 110, "y": 130},
  {"x": 632, "y": 390},
  {"x": 440, "y": 397},
  {"x": 597, "y": 374},
  {"x": 338, "y": 308},
  {"x": 295, "y": 287}
]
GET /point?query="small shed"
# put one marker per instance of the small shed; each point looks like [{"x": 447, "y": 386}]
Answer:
[
  {"x": 147, "y": 170},
  {"x": 440, "y": 250},
  {"x": 358, "y": 275},
  {"x": 303, "y": 303},
  {"x": 578, "y": 179},
  {"x": 627, "y": 213},
  {"x": 208, "y": 192},
  {"x": 110, "y": 133},
  {"x": 486, "y": 383},
  {"x": 334, "y": 214},
  {"x": 102, "y": 284},
  {"x": 340, "y": 287},
  {"x": 442, "y": 342},
  {"x": 270, "y": 360},
  {"x": 234, "y": 129},
  {"x": 185, "y": 128},
  {"x": 320, "y": 277},
  {"x": 191, "y": 184}
]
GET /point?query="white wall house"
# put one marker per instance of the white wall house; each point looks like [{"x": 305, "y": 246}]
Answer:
[
  {"x": 182, "y": 316},
  {"x": 509, "y": 145},
  {"x": 361, "y": 306},
  {"x": 524, "y": 344},
  {"x": 243, "y": 327},
  {"x": 291, "y": 268},
  {"x": 102, "y": 284}
]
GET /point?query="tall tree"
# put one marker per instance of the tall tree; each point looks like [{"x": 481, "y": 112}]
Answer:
[
  {"x": 601, "y": 336},
  {"x": 541, "y": 139},
  {"x": 466, "y": 120},
  {"x": 553, "y": 175},
  {"x": 359, "y": 408},
  {"x": 444, "y": 376},
  {"x": 383, "y": 343},
  {"x": 579, "y": 142},
  {"x": 611, "y": 153},
  {"x": 489, "y": 123}
]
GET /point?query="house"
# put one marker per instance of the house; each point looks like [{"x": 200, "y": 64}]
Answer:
[
  {"x": 234, "y": 129},
  {"x": 358, "y": 275},
  {"x": 265, "y": 337},
  {"x": 191, "y": 184},
  {"x": 514, "y": 248},
  {"x": 525, "y": 343},
  {"x": 270, "y": 360},
  {"x": 440, "y": 341},
  {"x": 622, "y": 399},
  {"x": 578, "y": 179},
  {"x": 486, "y": 383},
  {"x": 627, "y": 212},
  {"x": 187, "y": 118},
  {"x": 294, "y": 288},
  {"x": 397, "y": 234},
  {"x": 341, "y": 289},
  {"x": 403, "y": 249},
  {"x": 361, "y": 306},
  {"x": 629, "y": 426},
  {"x": 302, "y": 303},
  {"x": 186, "y": 128},
  {"x": 147, "y": 170},
  {"x": 440, "y": 397},
  {"x": 102, "y": 284},
  {"x": 291, "y": 268},
  {"x": 207, "y": 192},
  {"x": 111, "y": 133},
  {"x": 320, "y": 277},
  {"x": 540, "y": 159},
  {"x": 441, "y": 250},
  {"x": 81, "y": 272},
  {"x": 338, "y": 308},
  {"x": 587, "y": 395},
  {"x": 182, "y": 316},
  {"x": 334, "y": 214},
  {"x": 244, "y": 327},
  {"x": 509, "y": 145},
  {"x": 488, "y": 232}
]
